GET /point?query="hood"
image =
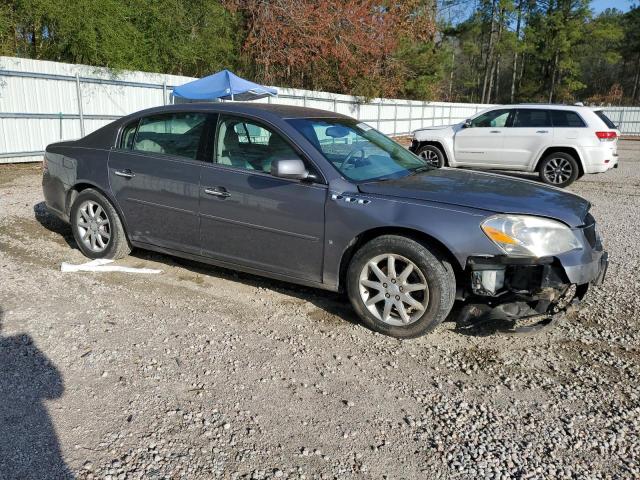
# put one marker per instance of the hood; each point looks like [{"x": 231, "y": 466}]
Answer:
[
  {"x": 439, "y": 127},
  {"x": 427, "y": 131},
  {"x": 485, "y": 191}
]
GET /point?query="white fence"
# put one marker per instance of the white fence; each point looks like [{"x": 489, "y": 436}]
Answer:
[{"x": 43, "y": 102}]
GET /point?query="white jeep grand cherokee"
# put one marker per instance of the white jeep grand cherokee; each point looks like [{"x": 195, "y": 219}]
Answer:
[{"x": 560, "y": 142}]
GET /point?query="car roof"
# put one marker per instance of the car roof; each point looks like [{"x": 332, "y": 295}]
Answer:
[
  {"x": 549, "y": 106},
  {"x": 249, "y": 108}
]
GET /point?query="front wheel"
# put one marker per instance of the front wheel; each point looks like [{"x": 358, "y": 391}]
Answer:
[
  {"x": 399, "y": 287},
  {"x": 432, "y": 155},
  {"x": 559, "y": 169}
]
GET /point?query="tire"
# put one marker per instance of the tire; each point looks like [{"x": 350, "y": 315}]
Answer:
[
  {"x": 429, "y": 267},
  {"x": 559, "y": 169},
  {"x": 432, "y": 154},
  {"x": 108, "y": 237}
]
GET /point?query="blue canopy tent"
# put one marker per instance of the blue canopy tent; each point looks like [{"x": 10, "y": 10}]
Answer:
[{"x": 222, "y": 85}]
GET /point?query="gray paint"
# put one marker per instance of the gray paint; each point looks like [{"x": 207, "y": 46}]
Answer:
[{"x": 290, "y": 229}]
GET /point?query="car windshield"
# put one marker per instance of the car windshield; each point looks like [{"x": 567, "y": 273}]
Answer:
[{"x": 357, "y": 151}]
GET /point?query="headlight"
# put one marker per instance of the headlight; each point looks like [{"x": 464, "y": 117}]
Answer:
[{"x": 528, "y": 236}]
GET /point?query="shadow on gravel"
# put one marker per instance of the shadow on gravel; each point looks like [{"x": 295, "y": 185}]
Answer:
[
  {"x": 53, "y": 224},
  {"x": 331, "y": 303},
  {"x": 29, "y": 447}
]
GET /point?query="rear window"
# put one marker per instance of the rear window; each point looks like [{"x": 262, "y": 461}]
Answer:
[
  {"x": 173, "y": 134},
  {"x": 566, "y": 118},
  {"x": 129, "y": 135},
  {"x": 529, "y": 117},
  {"x": 607, "y": 121}
]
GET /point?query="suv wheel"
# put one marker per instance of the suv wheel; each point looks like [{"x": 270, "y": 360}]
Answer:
[
  {"x": 97, "y": 228},
  {"x": 432, "y": 154},
  {"x": 559, "y": 169},
  {"x": 399, "y": 287}
]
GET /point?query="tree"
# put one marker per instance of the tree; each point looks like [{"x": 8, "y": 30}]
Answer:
[
  {"x": 191, "y": 38},
  {"x": 346, "y": 46}
]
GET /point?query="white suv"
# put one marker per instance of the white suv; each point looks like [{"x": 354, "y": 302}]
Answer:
[{"x": 560, "y": 142}]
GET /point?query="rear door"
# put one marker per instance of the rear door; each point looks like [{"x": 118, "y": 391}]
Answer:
[
  {"x": 531, "y": 131},
  {"x": 251, "y": 218},
  {"x": 155, "y": 175},
  {"x": 481, "y": 143}
]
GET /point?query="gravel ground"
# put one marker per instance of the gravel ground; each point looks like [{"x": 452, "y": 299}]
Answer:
[{"x": 200, "y": 372}]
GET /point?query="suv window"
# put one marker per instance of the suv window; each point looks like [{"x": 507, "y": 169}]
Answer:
[
  {"x": 494, "y": 118},
  {"x": 530, "y": 117},
  {"x": 566, "y": 118},
  {"x": 171, "y": 133},
  {"x": 607, "y": 121},
  {"x": 246, "y": 144}
]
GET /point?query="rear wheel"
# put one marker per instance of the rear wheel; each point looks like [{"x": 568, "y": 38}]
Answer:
[
  {"x": 97, "y": 227},
  {"x": 399, "y": 287},
  {"x": 432, "y": 154},
  {"x": 559, "y": 169}
]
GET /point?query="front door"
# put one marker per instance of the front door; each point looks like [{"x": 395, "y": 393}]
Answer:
[
  {"x": 251, "y": 218},
  {"x": 531, "y": 132},
  {"x": 155, "y": 177},
  {"x": 481, "y": 143}
]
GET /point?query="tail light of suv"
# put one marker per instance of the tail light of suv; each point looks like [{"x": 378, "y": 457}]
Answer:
[{"x": 606, "y": 136}]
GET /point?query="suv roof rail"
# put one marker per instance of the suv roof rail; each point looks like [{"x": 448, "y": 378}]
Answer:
[{"x": 549, "y": 104}]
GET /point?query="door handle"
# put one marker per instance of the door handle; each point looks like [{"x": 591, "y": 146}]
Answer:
[
  {"x": 126, "y": 173},
  {"x": 542, "y": 131},
  {"x": 217, "y": 192},
  {"x": 494, "y": 131}
]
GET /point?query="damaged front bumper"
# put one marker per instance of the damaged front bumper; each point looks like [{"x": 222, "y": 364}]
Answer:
[{"x": 535, "y": 287}]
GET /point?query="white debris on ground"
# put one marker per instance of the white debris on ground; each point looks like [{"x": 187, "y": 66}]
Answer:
[{"x": 103, "y": 265}]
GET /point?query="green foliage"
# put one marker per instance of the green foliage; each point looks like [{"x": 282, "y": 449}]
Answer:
[
  {"x": 425, "y": 66},
  {"x": 561, "y": 52},
  {"x": 192, "y": 37}
]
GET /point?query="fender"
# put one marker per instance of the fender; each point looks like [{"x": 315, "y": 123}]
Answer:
[
  {"x": 445, "y": 136},
  {"x": 540, "y": 154}
]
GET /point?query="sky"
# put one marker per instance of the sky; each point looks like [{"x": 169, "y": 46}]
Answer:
[
  {"x": 624, "y": 5},
  {"x": 459, "y": 10}
]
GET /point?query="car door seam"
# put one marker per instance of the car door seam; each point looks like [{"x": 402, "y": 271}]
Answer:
[
  {"x": 261, "y": 227},
  {"x": 152, "y": 204}
]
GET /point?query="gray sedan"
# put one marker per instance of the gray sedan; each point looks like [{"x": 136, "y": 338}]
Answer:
[{"x": 320, "y": 199}]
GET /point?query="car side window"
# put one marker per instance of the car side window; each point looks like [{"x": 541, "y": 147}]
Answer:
[
  {"x": 128, "y": 135},
  {"x": 247, "y": 144},
  {"x": 566, "y": 118},
  {"x": 494, "y": 118},
  {"x": 177, "y": 134},
  {"x": 531, "y": 117}
]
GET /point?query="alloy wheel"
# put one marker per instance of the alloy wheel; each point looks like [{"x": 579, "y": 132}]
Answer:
[
  {"x": 558, "y": 170},
  {"x": 430, "y": 157},
  {"x": 93, "y": 226},
  {"x": 394, "y": 289}
]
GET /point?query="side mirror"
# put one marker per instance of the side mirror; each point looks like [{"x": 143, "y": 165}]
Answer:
[
  {"x": 289, "y": 168},
  {"x": 467, "y": 123}
]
